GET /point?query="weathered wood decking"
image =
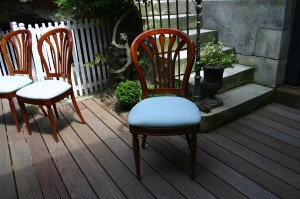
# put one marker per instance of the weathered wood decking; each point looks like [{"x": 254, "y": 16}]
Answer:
[{"x": 257, "y": 156}]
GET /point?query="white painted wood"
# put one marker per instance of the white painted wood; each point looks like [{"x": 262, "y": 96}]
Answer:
[{"x": 89, "y": 37}]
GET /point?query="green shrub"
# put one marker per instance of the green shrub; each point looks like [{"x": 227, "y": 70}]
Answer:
[{"x": 128, "y": 93}]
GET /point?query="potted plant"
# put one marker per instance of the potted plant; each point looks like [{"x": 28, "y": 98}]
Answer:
[{"x": 214, "y": 60}]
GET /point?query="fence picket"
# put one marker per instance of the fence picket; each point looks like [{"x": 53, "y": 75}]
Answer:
[
  {"x": 91, "y": 53},
  {"x": 90, "y": 38},
  {"x": 82, "y": 28},
  {"x": 79, "y": 56},
  {"x": 97, "y": 69},
  {"x": 4, "y": 70},
  {"x": 75, "y": 76}
]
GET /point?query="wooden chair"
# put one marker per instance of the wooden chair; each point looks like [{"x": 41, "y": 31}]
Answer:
[
  {"x": 16, "y": 50},
  {"x": 53, "y": 89},
  {"x": 164, "y": 115}
]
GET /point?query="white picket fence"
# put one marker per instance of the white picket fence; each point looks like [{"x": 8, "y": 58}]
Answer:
[{"x": 90, "y": 38}]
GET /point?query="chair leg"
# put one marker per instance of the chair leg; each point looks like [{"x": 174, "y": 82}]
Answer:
[
  {"x": 43, "y": 110},
  {"x": 188, "y": 139},
  {"x": 25, "y": 117},
  {"x": 193, "y": 150},
  {"x": 52, "y": 122},
  {"x": 144, "y": 137},
  {"x": 77, "y": 108},
  {"x": 14, "y": 114},
  {"x": 55, "y": 110},
  {"x": 136, "y": 152}
]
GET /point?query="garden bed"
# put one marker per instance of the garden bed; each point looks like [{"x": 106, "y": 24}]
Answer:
[{"x": 108, "y": 98}]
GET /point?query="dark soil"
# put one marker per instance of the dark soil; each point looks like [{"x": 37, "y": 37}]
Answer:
[{"x": 108, "y": 98}]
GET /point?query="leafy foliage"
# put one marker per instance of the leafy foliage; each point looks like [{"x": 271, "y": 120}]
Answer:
[
  {"x": 212, "y": 56},
  {"x": 93, "y": 8},
  {"x": 128, "y": 93},
  {"x": 98, "y": 59}
]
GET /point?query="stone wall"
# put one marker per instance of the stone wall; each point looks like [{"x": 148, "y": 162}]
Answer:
[{"x": 259, "y": 30}]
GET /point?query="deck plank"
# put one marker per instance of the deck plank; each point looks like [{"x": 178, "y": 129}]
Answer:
[
  {"x": 2, "y": 118},
  {"x": 26, "y": 179},
  {"x": 176, "y": 177},
  {"x": 154, "y": 182},
  {"x": 238, "y": 181},
  {"x": 267, "y": 140},
  {"x": 261, "y": 149},
  {"x": 97, "y": 177},
  {"x": 263, "y": 128},
  {"x": 293, "y": 122},
  {"x": 7, "y": 182},
  {"x": 25, "y": 176},
  {"x": 9, "y": 122},
  {"x": 276, "y": 125},
  {"x": 116, "y": 170},
  {"x": 285, "y": 108},
  {"x": 205, "y": 178},
  {"x": 74, "y": 180},
  {"x": 51, "y": 184},
  {"x": 277, "y": 170},
  {"x": 257, "y": 175},
  {"x": 257, "y": 156}
]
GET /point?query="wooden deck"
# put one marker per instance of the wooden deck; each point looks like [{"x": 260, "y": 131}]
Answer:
[{"x": 257, "y": 156}]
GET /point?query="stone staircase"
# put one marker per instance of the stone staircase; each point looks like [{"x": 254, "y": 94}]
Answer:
[{"x": 240, "y": 95}]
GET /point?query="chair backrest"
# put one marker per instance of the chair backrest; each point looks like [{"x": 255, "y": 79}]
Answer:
[
  {"x": 155, "y": 55},
  {"x": 57, "y": 64},
  {"x": 16, "y": 48}
]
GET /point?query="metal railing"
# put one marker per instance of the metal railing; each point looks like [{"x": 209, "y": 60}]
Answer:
[{"x": 184, "y": 15}]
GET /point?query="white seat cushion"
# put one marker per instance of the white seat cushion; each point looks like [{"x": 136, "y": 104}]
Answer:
[
  {"x": 46, "y": 89},
  {"x": 165, "y": 111},
  {"x": 10, "y": 84}
]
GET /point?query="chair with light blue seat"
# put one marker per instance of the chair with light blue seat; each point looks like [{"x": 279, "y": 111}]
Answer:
[
  {"x": 52, "y": 90},
  {"x": 16, "y": 50},
  {"x": 155, "y": 55}
]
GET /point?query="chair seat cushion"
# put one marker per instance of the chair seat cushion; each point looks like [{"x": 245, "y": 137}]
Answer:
[
  {"x": 46, "y": 89},
  {"x": 10, "y": 84},
  {"x": 167, "y": 111}
]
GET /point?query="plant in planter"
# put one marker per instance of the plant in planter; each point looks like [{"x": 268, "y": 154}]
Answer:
[{"x": 214, "y": 60}]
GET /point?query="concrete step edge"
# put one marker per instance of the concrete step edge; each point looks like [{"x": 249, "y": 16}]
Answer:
[{"x": 237, "y": 102}]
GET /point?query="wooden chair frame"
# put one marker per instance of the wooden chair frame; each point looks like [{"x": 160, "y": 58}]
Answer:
[
  {"x": 60, "y": 42},
  {"x": 167, "y": 44},
  {"x": 20, "y": 42}
]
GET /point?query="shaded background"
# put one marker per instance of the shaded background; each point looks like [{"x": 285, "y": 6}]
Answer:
[{"x": 27, "y": 11}]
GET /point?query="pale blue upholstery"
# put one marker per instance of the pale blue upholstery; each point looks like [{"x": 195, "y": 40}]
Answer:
[
  {"x": 46, "y": 89},
  {"x": 167, "y": 111},
  {"x": 10, "y": 84}
]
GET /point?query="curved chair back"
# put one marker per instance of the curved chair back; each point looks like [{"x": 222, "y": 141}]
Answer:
[
  {"x": 16, "y": 49},
  {"x": 155, "y": 55},
  {"x": 60, "y": 43},
  {"x": 55, "y": 49}
]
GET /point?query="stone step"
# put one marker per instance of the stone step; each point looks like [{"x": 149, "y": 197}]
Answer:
[
  {"x": 232, "y": 77},
  {"x": 206, "y": 35},
  {"x": 239, "y": 96},
  {"x": 173, "y": 21},
  {"x": 236, "y": 76},
  {"x": 183, "y": 58},
  {"x": 237, "y": 102},
  {"x": 288, "y": 95},
  {"x": 168, "y": 7}
]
